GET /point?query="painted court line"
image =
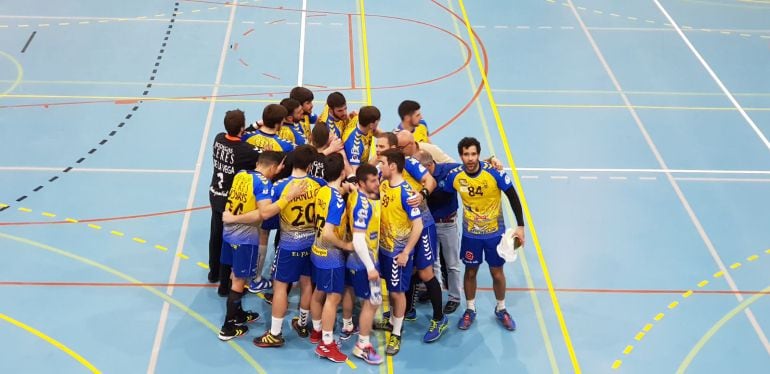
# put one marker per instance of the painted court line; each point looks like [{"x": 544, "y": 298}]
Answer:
[{"x": 96, "y": 170}]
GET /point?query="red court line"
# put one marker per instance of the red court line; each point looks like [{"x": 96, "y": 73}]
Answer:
[
  {"x": 242, "y": 63},
  {"x": 249, "y": 31},
  {"x": 276, "y": 21},
  {"x": 350, "y": 49},
  {"x": 271, "y": 76},
  {"x": 118, "y": 218},
  {"x": 486, "y": 289}
]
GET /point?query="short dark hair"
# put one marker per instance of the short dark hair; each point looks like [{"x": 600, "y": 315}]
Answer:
[
  {"x": 335, "y": 100},
  {"x": 468, "y": 142},
  {"x": 364, "y": 171},
  {"x": 333, "y": 166},
  {"x": 273, "y": 115},
  {"x": 392, "y": 138},
  {"x": 235, "y": 120},
  {"x": 303, "y": 156},
  {"x": 319, "y": 136},
  {"x": 368, "y": 115},
  {"x": 301, "y": 94},
  {"x": 395, "y": 156},
  {"x": 407, "y": 107},
  {"x": 290, "y": 105},
  {"x": 270, "y": 158}
]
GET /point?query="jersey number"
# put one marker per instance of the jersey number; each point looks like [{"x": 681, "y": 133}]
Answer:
[
  {"x": 304, "y": 216},
  {"x": 475, "y": 191},
  {"x": 320, "y": 222},
  {"x": 233, "y": 208}
]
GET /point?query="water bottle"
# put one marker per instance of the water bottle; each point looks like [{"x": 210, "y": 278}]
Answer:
[{"x": 376, "y": 292}]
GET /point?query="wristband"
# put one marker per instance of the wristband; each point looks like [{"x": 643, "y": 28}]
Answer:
[{"x": 282, "y": 203}]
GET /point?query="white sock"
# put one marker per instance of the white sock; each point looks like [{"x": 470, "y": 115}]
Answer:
[
  {"x": 363, "y": 340},
  {"x": 500, "y": 305},
  {"x": 303, "y": 313},
  {"x": 347, "y": 324},
  {"x": 397, "y": 322},
  {"x": 391, "y": 317},
  {"x": 328, "y": 337},
  {"x": 471, "y": 304},
  {"x": 317, "y": 325},
  {"x": 276, "y": 326}
]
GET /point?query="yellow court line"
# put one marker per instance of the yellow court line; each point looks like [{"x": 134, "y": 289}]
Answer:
[
  {"x": 610, "y": 106},
  {"x": 184, "y": 308},
  {"x": 19, "y": 74},
  {"x": 51, "y": 341},
  {"x": 716, "y": 327},
  {"x": 517, "y": 180},
  {"x": 143, "y": 98},
  {"x": 525, "y": 265}
]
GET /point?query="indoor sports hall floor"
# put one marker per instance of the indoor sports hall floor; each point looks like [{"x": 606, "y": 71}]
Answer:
[{"x": 639, "y": 130}]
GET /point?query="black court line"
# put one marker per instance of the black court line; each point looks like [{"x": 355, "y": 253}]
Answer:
[
  {"x": 92, "y": 150},
  {"x": 28, "y": 41}
]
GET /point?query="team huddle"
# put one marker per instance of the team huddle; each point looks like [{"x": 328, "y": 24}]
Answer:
[{"x": 356, "y": 209}]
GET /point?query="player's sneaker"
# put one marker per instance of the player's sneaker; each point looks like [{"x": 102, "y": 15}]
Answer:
[
  {"x": 259, "y": 286},
  {"x": 367, "y": 353},
  {"x": 268, "y": 340},
  {"x": 330, "y": 351},
  {"x": 467, "y": 320},
  {"x": 394, "y": 345},
  {"x": 231, "y": 331},
  {"x": 246, "y": 316},
  {"x": 346, "y": 334},
  {"x": 436, "y": 329},
  {"x": 451, "y": 306},
  {"x": 408, "y": 316},
  {"x": 268, "y": 297},
  {"x": 315, "y": 336},
  {"x": 505, "y": 319},
  {"x": 383, "y": 324},
  {"x": 302, "y": 331}
]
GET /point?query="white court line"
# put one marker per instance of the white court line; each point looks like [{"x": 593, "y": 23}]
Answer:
[
  {"x": 95, "y": 170},
  {"x": 721, "y": 86},
  {"x": 661, "y": 171},
  {"x": 132, "y": 19},
  {"x": 680, "y": 195},
  {"x": 303, "y": 21},
  {"x": 744, "y": 180},
  {"x": 191, "y": 197}
]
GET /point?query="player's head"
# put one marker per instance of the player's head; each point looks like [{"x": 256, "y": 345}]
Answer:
[
  {"x": 409, "y": 112},
  {"x": 305, "y": 98},
  {"x": 469, "y": 149},
  {"x": 369, "y": 117},
  {"x": 338, "y": 106},
  {"x": 333, "y": 167},
  {"x": 273, "y": 115},
  {"x": 385, "y": 140},
  {"x": 270, "y": 163},
  {"x": 319, "y": 136},
  {"x": 302, "y": 157},
  {"x": 235, "y": 122},
  {"x": 426, "y": 160},
  {"x": 392, "y": 161},
  {"x": 293, "y": 109},
  {"x": 406, "y": 143},
  {"x": 368, "y": 179}
]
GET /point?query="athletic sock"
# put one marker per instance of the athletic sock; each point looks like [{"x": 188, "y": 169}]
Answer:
[{"x": 434, "y": 290}]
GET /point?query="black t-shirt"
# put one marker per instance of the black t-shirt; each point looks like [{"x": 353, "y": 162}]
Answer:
[
  {"x": 230, "y": 157},
  {"x": 317, "y": 167}
]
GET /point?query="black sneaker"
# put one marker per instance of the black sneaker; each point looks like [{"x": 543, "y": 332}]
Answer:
[
  {"x": 268, "y": 297},
  {"x": 423, "y": 297},
  {"x": 383, "y": 324},
  {"x": 231, "y": 331},
  {"x": 302, "y": 331},
  {"x": 246, "y": 316},
  {"x": 451, "y": 306}
]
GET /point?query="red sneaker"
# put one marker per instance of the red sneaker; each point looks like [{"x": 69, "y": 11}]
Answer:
[
  {"x": 331, "y": 351},
  {"x": 315, "y": 336}
]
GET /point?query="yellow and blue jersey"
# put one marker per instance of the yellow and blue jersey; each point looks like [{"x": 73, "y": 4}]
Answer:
[
  {"x": 248, "y": 188},
  {"x": 481, "y": 197},
  {"x": 420, "y": 132},
  {"x": 414, "y": 172},
  {"x": 357, "y": 144},
  {"x": 268, "y": 142},
  {"x": 363, "y": 214},
  {"x": 329, "y": 209},
  {"x": 293, "y": 132},
  {"x": 336, "y": 126},
  {"x": 396, "y": 217},
  {"x": 297, "y": 218}
]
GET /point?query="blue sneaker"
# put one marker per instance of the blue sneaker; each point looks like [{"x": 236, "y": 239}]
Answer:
[
  {"x": 261, "y": 285},
  {"x": 436, "y": 329},
  {"x": 505, "y": 318},
  {"x": 408, "y": 316},
  {"x": 468, "y": 317}
]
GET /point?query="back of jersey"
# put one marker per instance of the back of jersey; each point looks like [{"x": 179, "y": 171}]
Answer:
[
  {"x": 248, "y": 187},
  {"x": 269, "y": 142},
  {"x": 396, "y": 218},
  {"x": 363, "y": 214},
  {"x": 329, "y": 210},
  {"x": 297, "y": 218},
  {"x": 413, "y": 174}
]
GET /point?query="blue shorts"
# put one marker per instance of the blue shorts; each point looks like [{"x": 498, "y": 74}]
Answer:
[
  {"x": 288, "y": 266},
  {"x": 473, "y": 251},
  {"x": 329, "y": 280},
  {"x": 425, "y": 250},
  {"x": 396, "y": 277},
  {"x": 359, "y": 281},
  {"x": 272, "y": 223},
  {"x": 242, "y": 258}
]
